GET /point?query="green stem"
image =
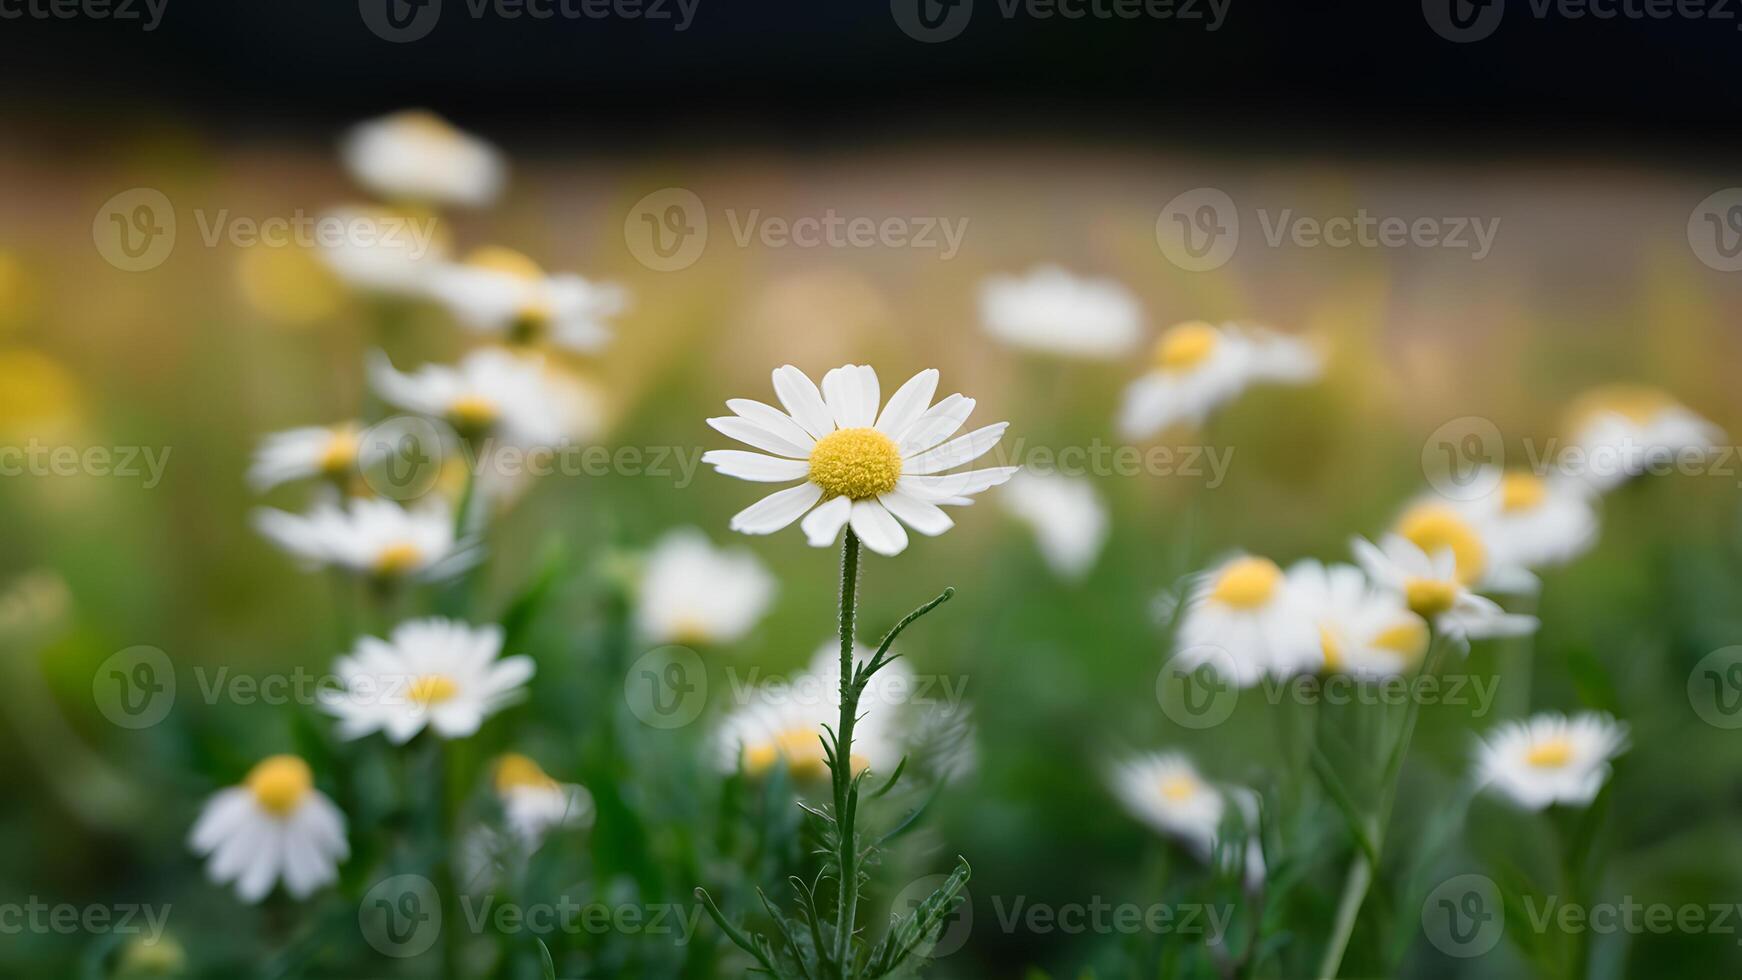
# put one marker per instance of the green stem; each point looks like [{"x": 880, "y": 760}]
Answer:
[{"x": 847, "y": 901}]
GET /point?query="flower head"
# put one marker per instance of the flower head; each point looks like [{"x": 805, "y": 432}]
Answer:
[
  {"x": 490, "y": 392},
  {"x": 1244, "y": 622},
  {"x": 1435, "y": 588},
  {"x": 1054, "y": 312},
  {"x": 393, "y": 253},
  {"x": 416, "y": 155},
  {"x": 331, "y": 451},
  {"x": 373, "y": 537},
  {"x": 691, "y": 592},
  {"x": 1551, "y": 758},
  {"x": 1165, "y": 791},
  {"x": 431, "y": 672},
  {"x": 1621, "y": 431},
  {"x": 1363, "y": 630},
  {"x": 505, "y": 294},
  {"x": 1198, "y": 367},
  {"x": 868, "y": 468},
  {"x": 1529, "y": 521},
  {"x": 274, "y": 826},
  {"x": 534, "y": 804},
  {"x": 1068, "y": 518}
]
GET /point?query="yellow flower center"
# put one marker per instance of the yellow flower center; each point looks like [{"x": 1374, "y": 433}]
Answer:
[
  {"x": 1176, "y": 789},
  {"x": 691, "y": 630},
  {"x": 1332, "y": 645},
  {"x": 530, "y": 324},
  {"x": 1551, "y": 754},
  {"x": 801, "y": 748},
  {"x": 397, "y": 559},
  {"x": 508, "y": 262},
  {"x": 1246, "y": 583},
  {"x": 516, "y": 771},
  {"x": 1407, "y": 639},
  {"x": 472, "y": 414},
  {"x": 34, "y": 391},
  {"x": 1638, "y": 404},
  {"x": 422, "y": 122},
  {"x": 432, "y": 689},
  {"x": 855, "y": 463},
  {"x": 1521, "y": 491},
  {"x": 1185, "y": 346},
  {"x": 279, "y": 783},
  {"x": 341, "y": 452},
  {"x": 1428, "y": 597},
  {"x": 1435, "y": 528}
]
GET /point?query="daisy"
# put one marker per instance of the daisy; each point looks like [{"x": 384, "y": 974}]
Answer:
[
  {"x": 384, "y": 251},
  {"x": 1054, "y": 312},
  {"x": 1244, "y": 622},
  {"x": 491, "y": 392},
  {"x": 418, "y": 156},
  {"x": 867, "y": 467},
  {"x": 1165, "y": 791},
  {"x": 1199, "y": 367},
  {"x": 1551, "y": 758},
  {"x": 1622, "y": 431},
  {"x": 1435, "y": 589},
  {"x": 1529, "y": 521},
  {"x": 1364, "y": 631},
  {"x": 501, "y": 292},
  {"x": 432, "y": 672},
  {"x": 1068, "y": 518},
  {"x": 334, "y": 452},
  {"x": 533, "y": 804},
  {"x": 273, "y": 826},
  {"x": 693, "y": 593},
  {"x": 782, "y": 722},
  {"x": 371, "y": 537}
]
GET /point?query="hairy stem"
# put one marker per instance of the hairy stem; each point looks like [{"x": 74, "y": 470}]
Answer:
[{"x": 846, "y": 906}]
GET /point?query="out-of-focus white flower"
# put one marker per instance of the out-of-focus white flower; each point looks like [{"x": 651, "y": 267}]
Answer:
[
  {"x": 371, "y": 537},
  {"x": 1164, "y": 791},
  {"x": 868, "y": 467},
  {"x": 431, "y": 672},
  {"x": 383, "y": 251},
  {"x": 1244, "y": 622},
  {"x": 1054, "y": 312},
  {"x": 331, "y": 451},
  {"x": 501, "y": 292},
  {"x": 691, "y": 592},
  {"x": 1530, "y": 522},
  {"x": 273, "y": 826},
  {"x": 1551, "y": 758},
  {"x": 418, "y": 156},
  {"x": 490, "y": 392},
  {"x": 1199, "y": 367},
  {"x": 1068, "y": 518},
  {"x": 1621, "y": 431},
  {"x": 1434, "y": 589},
  {"x": 1363, "y": 630},
  {"x": 533, "y": 804}
]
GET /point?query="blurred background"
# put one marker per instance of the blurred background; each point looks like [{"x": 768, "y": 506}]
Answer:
[{"x": 1592, "y": 146}]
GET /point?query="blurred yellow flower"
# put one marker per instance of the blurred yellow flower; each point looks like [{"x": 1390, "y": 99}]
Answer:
[
  {"x": 38, "y": 396},
  {"x": 289, "y": 285}
]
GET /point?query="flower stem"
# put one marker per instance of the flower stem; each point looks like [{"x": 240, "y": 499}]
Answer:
[{"x": 846, "y": 905}]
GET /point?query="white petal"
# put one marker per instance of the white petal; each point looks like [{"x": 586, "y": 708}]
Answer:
[
  {"x": 772, "y": 419},
  {"x": 751, "y": 434},
  {"x": 822, "y": 526},
  {"x": 918, "y": 514},
  {"x": 939, "y": 489},
  {"x": 777, "y": 510},
  {"x": 755, "y": 466},
  {"x": 908, "y": 403},
  {"x": 937, "y": 424},
  {"x": 802, "y": 400},
  {"x": 956, "y": 452},
  {"x": 874, "y": 526}
]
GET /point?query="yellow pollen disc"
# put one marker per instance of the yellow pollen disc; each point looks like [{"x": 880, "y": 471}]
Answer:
[
  {"x": 422, "y": 122},
  {"x": 398, "y": 559},
  {"x": 495, "y": 258},
  {"x": 1332, "y": 645},
  {"x": 691, "y": 630},
  {"x": 1428, "y": 597},
  {"x": 1521, "y": 491},
  {"x": 855, "y": 463},
  {"x": 1407, "y": 639},
  {"x": 1178, "y": 788},
  {"x": 1435, "y": 527},
  {"x": 341, "y": 452},
  {"x": 279, "y": 783},
  {"x": 1552, "y": 754},
  {"x": 1186, "y": 345},
  {"x": 1246, "y": 583},
  {"x": 432, "y": 689},
  {"x": 516, "y": 771},
  {"x": 1638, "y": 404},
  {"x": 530, "y": 324},
  {"x": 801, "y": 748},
  {"x": 472, "y": 413}
]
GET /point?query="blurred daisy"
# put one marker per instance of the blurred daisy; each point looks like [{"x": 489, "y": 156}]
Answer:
[
  {"x": 371, "y": 537},
  {"x": 1243, "y": 621},
  {"x": 1551, "y": 758},
  {"x": 1435, "y": 590},
  {"x": 533, "y": 804},
  {"x": 384, "y": 251},
  {"x": 1622, "y": 431},
  {"x": 330, "y": 451},
  {"x": 867, "y": 467},
  {"x": 1530, "y": 522},
  {"x": 431, "y": 672},
  {"x": 1199, "y": 367},
  {"x": 418, "y": 156},
  {"x": 781, "y": 721},
  {"x": 1068, "y": 518},
  {"x": 1364, "y": 631},
  {"x": 694, "y": 593},
  {"x": 1054, "y": 312},
  {"x": 491, "y": 392},
  {"x": 1164, "y": 791},
  {"x": 1433, "y": 525},
  {"x": 273, "y": 826},
  {"x": 503, "y": 293}
]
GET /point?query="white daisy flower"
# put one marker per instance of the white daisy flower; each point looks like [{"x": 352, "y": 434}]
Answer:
[
  {"x": 867, "y": 467},
  {"x": 1363, "y": 630},
  {"x": 1054, "y": 312},
  {"x": 1165, "y": 791},
  {"x": 334, "y": 452},
  {"x": 273, "y": 826},
  {"x": 371, "y": 537},
  {"x": 1244, "y": 622},
  {"x": 501, "y": 292},
  {"x": 533, "y": 804},
  {"x": 384, "y": 251},
  {"x": 1622, "y": 431},
  {"x": 432, "y": 672},
  {"x": 1199, "y": 367},
  {"x": 1551, "y": 758},
  {"x": 1435, "y": 590},
  {"x": 693, "y": 593},
  {"x": 1067, "y": 516},
  {"x": 490, "y": 392},
  {"x": 416, "y": 155},
  {"x": 1530, "y": 522}
]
